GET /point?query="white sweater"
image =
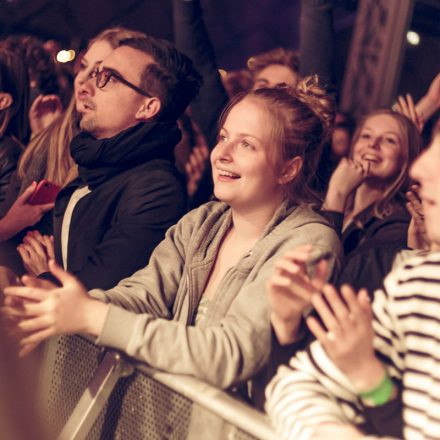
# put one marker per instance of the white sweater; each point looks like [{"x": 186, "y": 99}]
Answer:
[{"x": 312, "y": 390}]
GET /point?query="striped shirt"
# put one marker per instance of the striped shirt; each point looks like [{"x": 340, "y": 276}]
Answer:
[{"x": 312, "y": 390}]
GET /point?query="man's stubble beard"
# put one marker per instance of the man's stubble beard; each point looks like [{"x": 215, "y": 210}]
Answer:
[{"x": 87, "y": 124}]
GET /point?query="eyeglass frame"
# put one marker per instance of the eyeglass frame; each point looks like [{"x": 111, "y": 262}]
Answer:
[{"x": 98, "y": 75}]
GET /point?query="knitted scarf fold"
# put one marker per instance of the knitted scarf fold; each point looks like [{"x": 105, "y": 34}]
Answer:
[{"x": 100, "y": 159}]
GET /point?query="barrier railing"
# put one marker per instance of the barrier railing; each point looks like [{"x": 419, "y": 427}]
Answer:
[{"x": 91, "y": 393}]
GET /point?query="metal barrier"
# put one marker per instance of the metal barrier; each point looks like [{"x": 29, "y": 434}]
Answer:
[{"x": 90, "y": 393}]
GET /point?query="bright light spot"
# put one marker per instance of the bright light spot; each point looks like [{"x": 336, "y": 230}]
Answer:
[
  {"x": 223, "y": 73},
  {"x": 413, "y": 38},
  {"x": 64, "y": 56}
]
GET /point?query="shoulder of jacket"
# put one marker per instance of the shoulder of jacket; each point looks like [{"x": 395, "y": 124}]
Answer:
[{"x": 303, "y": 216}]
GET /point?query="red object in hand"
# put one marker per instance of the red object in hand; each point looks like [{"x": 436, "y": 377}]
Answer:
[{"x": 45, "y": 192}]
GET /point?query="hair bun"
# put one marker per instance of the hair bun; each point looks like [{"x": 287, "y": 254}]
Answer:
[{"x": 317, "y": 99}]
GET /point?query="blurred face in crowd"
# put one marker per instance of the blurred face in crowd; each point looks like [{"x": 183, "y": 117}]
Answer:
[
  {"x": 89, "y": 62},
  {"x": 341, "y": 137},
  {"x": 426, "y": 170},
  {"x": 275, "y": 75},
  {"x": 108, "y": 110},
  {"x": 380, "y": 145},
  {"x": 242, "y": 173},
  {"x": 340, "y": 142}
]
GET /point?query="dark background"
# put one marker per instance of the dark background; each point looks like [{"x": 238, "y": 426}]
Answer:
[{"x": 238, "y": 28}]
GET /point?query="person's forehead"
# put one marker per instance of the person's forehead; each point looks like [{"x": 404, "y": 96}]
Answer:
[
  {"x": 276, "y": 70},
  {"x": 382, "y": 123},
  {"x": 129, "y": 62}
]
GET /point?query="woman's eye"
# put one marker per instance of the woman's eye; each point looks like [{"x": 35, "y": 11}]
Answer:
[
  {"x": 391, "y": 140},
  {"x": 365, "y": 136},
  {"x": 246, "y": 144},
  {"x": 222, "y": 138}
]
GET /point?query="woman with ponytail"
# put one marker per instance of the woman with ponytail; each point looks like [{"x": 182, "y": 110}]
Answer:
[{"x": 199, "y": 307}]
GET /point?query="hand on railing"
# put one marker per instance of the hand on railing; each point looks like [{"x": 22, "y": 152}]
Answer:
[{"x": 39, "y": 309}]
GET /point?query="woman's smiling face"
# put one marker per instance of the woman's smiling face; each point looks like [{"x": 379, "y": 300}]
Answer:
[
  {"x": 242, "y": 173},
  {"x": 379, "y": 146}
]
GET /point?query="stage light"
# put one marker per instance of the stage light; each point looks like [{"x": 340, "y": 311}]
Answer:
[
  {"x": 413, "y": 38},
  {"x": 64, "y": 56}
]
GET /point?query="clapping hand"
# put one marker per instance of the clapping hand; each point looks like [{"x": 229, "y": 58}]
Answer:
[
  {"x": 39, "y": 309},
  {"x": 346, "y": 333},
  {"x": 417, "y": 237},
  {"x": 290, "y": 290},
  {"x": 36, "y": 250}
]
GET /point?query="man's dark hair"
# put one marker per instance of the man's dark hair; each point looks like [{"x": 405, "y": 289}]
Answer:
[{"x": 172, "y": 78}]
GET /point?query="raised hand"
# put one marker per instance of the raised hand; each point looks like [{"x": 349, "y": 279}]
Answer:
[
  {"x": 22, "y": 214},
  {"x": 346, "y": 333},
  {"x": 40, "y": 309},
  {"x": 417, "y": 236},
  {"x": 406, "y": 107},
  {"x": 290, "y": 289},
  {"x": 44, "y": 110},
  {"x": 195, "y": 166},
  {"x": 430, "y": 103},
  {"x": 346, "y": 178}
]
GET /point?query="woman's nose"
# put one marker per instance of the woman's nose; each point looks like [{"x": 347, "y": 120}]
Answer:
[
  {"x": 223, "y": 150},
  {"x": 374, "y": 142}
]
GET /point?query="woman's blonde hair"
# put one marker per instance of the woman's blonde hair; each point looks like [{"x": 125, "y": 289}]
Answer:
[
  {"x": 300, "y": 121},
  {"x": 393, "y": 197},
  {"x": 54, "y": 141}
]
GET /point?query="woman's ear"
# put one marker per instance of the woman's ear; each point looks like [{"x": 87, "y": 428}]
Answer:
[
  {"x": 149, "y": 108},
  {"x": 6, "y": 100},
  {"x": 290, "y": 170}
]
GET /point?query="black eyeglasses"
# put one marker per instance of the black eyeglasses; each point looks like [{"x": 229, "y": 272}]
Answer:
[{"x": 103, "y": 77}]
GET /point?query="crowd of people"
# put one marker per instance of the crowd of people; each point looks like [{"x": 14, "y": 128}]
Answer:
[{"x": 238, "y": 229}]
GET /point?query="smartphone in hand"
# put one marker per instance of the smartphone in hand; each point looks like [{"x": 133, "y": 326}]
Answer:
[{"x": 45, "y": 192}]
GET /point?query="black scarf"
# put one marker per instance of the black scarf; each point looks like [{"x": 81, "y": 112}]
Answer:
[{"x": 100, "y": 159}]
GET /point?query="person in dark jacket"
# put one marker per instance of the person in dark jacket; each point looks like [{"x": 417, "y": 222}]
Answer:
[
  {"x": 109, "y": 219},
  {"x": 269, "y": 69},
  {"x": 366, "y": 196},
  {"x": 14, "y": 105}
]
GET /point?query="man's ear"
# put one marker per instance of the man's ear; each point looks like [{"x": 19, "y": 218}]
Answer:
[
  {"x": 290, "y": 170},
  {"x": 6, "y": 100},
  {"x": 149, "y": 108}
]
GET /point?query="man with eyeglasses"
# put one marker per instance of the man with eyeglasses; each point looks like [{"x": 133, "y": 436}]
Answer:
[{"x": 128, "y": 193}]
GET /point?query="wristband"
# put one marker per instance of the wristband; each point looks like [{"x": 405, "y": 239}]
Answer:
[{"x": 381, "y": 394}]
